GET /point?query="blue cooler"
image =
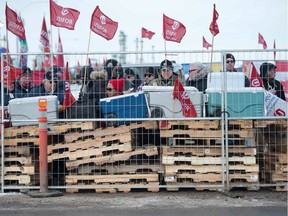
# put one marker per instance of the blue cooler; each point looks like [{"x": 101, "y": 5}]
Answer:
[
  {"x": 246, "y": 102},
  {"x": 132, "y": 105}
]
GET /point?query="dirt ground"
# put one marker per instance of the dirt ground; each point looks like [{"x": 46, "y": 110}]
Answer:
[{"x": 180, "y": 199}]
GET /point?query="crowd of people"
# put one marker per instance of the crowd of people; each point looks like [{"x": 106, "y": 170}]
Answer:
[{"x": 113, "y": 80}]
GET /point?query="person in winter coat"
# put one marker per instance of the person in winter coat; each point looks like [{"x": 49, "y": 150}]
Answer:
[
  {"x": 198, "y": 73},
  {"x": 113, "y": 69},
  {"x": 49, "y": 86},
  {"x": 23, "y": 84},
  {"x": 166, "y": 77},
  {"x": 267, "y": 73}
]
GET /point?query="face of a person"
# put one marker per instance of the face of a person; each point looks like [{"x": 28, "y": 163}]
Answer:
[
  {"x": 230, "y": 64},
  {"x": 49, "y": 85},
  {"x": 131, "y": 78},
  {"x": 193, "y": 70},
  {"x": 110, "y": 90},
  {"x": 166, "y": 73},
  {"x": 271, "y": 74},
  {"x": 148, "y": 77},
  {"x": 25, "y": 80}
]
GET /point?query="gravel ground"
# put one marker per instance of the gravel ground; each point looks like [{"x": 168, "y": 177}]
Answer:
[{"x": 162, "y": 199}]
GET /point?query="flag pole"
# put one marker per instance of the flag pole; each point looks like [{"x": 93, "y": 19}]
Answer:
[
  {"x": 211, "y": 55},
  {"x": 89, "y": 39},
  {"x": 7, "y": 57},
  {"x": 51, "y": 56}
]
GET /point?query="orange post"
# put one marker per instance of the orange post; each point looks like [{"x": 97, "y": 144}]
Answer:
[{"x": 43, "y": 159}]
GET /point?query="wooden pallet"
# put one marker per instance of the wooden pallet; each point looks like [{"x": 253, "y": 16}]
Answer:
[
  {"x": 19, "y": 169},
  {"x": 122, "y": 169},
  {"x": 17, "y": 179},
  {"x": 92, "y": 152},
  {"x": 189, "y": 124},
  {"x": 16, "y": 151},
  {"x": 211, "y": 186},
  {"x": 239, "y": 168},
  {"x": 194, "y": 160},
  {"x": 212, "y": 134},
  {"x": 89, "y": 143},
  {"x": 205, "y": 151},
  {"x": 264, "y": 123},
  {"x": 113, "y": 188},
  {"x": 149, "y": 151},
  {"x": 22, "y": 141}
]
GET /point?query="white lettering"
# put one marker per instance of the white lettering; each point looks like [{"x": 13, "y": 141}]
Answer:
[
  {"x": 64, "y": 20},
  {"x": 170, "y": 33},
  {"x": 16, "y": 26},
  {"x": 100, "y": 28}
]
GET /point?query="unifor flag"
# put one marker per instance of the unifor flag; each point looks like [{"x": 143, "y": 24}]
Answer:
[
  {"x": 23, "y": 49},
  {"x": 214, "y": 29},
  {"x": 103, "y": 25},
  {"x": 146, "y": 33},
  {"x": 44, "y": 37},
  {"x": 173, "y": 30},
  {"x": 68, "y": 98},
  {"x": 255, "y": 78},
  {"x": 180, "y": 93},
  {"x": 10, "y": 73},
  {"x": 205, "y": 43},
  {"x": 262, "y": 41},
  {"x": 14, "y": 23},
  {"x": 60, "y": 57},
  {"x": 63, "y": 17}
]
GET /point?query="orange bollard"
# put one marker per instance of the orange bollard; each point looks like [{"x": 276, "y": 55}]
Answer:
[{"x": 43, "y": 158}]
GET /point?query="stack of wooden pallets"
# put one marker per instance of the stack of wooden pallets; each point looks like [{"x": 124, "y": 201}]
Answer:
[
  {"x": 272, "y": 140},
  {"x": 21, "y": 156},
  {"x": 106, "y": 159},
  {"x": 194, "y": 156}
]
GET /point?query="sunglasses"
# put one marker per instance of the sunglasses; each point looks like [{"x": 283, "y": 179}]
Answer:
[
  {"x": 229, "y": 61},
  {"x": 149, "y": 75},
  {"x": 109, "y": 89}
]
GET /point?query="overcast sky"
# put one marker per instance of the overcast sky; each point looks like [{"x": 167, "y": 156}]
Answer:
[{"x": 239, "y": 23}]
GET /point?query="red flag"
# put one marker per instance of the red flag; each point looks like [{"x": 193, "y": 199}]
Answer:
[
  {"x": 69, "y": 98},
  {"x": 14, "y": 23},
  {"x": 262, "y": 41},
  {"x": 255, "y": 78},
  {"x": 44, "y": 37},
  {"x": 10, "y": 73},
  {"x": 173, "y": 30},
  {"x": 60, "y": 57},
  {"x": 179, "y": 92},
  {"x": 63, "y": 17},
  {"x": 147, "y": 34},
  {"x": 103, "y": 25},
  {"x": 214, "y": 29},
  {"x": 205, "y": 43},
  {"x": 274, "y": 47}
]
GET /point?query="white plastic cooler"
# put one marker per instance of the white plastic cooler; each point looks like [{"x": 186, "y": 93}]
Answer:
[
  {"x": 27, "y": 109},
  {"x": 162, "y": 104}
]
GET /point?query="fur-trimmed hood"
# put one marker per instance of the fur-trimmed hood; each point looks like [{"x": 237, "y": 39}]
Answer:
[{"x": 98, "y": 74}]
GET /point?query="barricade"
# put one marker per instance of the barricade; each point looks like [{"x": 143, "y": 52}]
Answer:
[{"x": 224, "y": 151}]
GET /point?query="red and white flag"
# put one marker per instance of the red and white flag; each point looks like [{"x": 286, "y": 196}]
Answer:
[
  {"x": 146, "y": 33},
  {"x": 180, "y": 93},
  {"x": 60, "y": 57},
  {"x": 63, "y": 17},
  {"x": 44, "y": 37},
  {"x": 173, "y": 30},
  {"x": 205, "y": 43},
  {"x": 68, "y": 98},
  {"x": 10, "y": 73},
  {"x": 214, "y": 29},
  {"x": 103, "y": 25},
  {"x": 255, "y": 78},
  {"x": 262, "y": 41},
  {"x": 14, "y": 23}
]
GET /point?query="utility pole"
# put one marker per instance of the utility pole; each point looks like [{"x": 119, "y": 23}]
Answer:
[{"x": 122, "y": 43}]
